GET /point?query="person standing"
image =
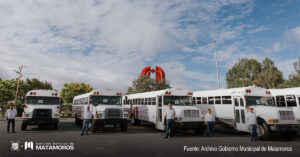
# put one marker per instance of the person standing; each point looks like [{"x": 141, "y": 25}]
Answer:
[
  {"x": 87, "y": 117},
  {"x": 170, "y": 116},
  {"x": 10, "y": 117},
  {"x": 210, "y": 123},
  {"x": 252, "y": 119},
  {"x": 131, "y": 114}
]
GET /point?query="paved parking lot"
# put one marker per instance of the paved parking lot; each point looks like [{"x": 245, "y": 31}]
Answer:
[{"x": 137, "y": 141}]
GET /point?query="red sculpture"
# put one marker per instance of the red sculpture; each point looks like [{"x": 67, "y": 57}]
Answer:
[{"x": 160, "y": 73}]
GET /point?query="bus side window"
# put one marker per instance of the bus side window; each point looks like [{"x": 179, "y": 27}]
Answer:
[
  {"x": 211, "y": 100},
  {"x": 153, "y": 101},
  {"x": 217, "y": 100},
  {"x": 280, "y": 101},
  {"x": 226, "y": 100},
  {"x": 142, "y": 102},
  {"x": 291, "y": 101},
  {"x": 236, "y": 102},
  {"x": 160, "y": 101},
  {"x": 204, "y": 100},
  {"x": 198, "y": 100},
  {"x": 241, "y": 101}
]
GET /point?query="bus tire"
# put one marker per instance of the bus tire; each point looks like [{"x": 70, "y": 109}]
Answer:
[
  {"x": 55, "y": 126},
  {"x": 200, "y": 130},
  {"x": 263, "y": 130},
  {"x": 124, "y": 125},
  {"x": 137, "y": 121},
  {"x": 23, "y": 126}
]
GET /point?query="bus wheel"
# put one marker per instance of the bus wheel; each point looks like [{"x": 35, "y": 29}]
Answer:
[
  {"x": 55, "y": 126},
  {"x": 137, "y": 122},
  {"x": 124, "y": 125},
  {"x": 23, "y": 126},
  {"x": 263, "y": 130},
  {"x": 200, "y": 130}
]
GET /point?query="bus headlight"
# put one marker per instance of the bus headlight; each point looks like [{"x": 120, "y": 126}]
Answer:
[
  {"x": 272, "y": 121},
  {"x": 178, "y": 119},
  {"x": 125, "y": 114}
]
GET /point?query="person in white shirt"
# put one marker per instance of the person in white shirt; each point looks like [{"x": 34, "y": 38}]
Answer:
[
  {"x": 252, "y": 120},
  {"x": 170, "y": 116},
  {"x": 10, "y": 117},
  {"x": 87, "y": 117},
  {"x": 210, "y": 123}
]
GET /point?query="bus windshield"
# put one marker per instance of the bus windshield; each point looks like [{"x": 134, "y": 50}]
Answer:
[
  {"x": 178, "y": 100},
  {"x": 107, "y": 100},
  {"x": 256, "y": 100},
  {"x": 39, "y": 100}
]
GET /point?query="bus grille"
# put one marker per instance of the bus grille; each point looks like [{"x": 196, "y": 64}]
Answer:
[
  {"x": 286, "y": 115},
  {"x": 113, "y": 113},
  {"x": 191, "y": 113},
  {"x": 41, "y": 113}
]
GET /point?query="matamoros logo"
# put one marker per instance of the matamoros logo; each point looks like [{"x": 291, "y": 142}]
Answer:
[{"x": 42, "y": 146}]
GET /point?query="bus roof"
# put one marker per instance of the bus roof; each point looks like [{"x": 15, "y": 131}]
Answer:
[
  {"x": 104, "y": 92},
  {"x": 285, "y": 91},
  {"x": 250, "y": 90},
  {"x": 43, "y": 92},
  {"x": 174, "y": 92}
]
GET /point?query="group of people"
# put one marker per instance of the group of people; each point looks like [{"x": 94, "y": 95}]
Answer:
[
  {"x": 170, "y": 117},
  {"x": 210, "y": 122}
]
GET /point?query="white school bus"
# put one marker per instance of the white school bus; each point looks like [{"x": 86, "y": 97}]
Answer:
[
  {"x": 41, "y": 107},
  {"x": 288, "y": 98},
  {"x": 151, "y": 107},
  {"x": 106, "y": 107},
  {"x": 231, "y": 107}
]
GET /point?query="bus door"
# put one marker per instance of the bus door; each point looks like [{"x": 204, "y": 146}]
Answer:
[
  {"x": 298, "y": 103},
  {"x": 240, "y": 114},
  {"x": 159, "y": 114}
]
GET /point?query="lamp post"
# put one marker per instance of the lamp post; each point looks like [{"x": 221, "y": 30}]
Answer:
[
  {"x": 216, "y": 60},
  {"x": 19, "y": 72}
]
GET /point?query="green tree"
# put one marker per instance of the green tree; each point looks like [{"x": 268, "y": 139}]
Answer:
[
  {"x": 37, "y": 84},
  {"x": 294, "y": 78},
  {"x": 244, "y": 73},
  {"x": 146, "y": 84},
  {"x": 73, "y": 89},
  {"x": 270, "y": 76},
  {"x": 8, "y": 91}
]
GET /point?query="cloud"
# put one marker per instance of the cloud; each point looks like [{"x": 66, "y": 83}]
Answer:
[
  {"x": 107, "y": 43},
  {"x": 258, "y": 29},
  {"x": 277, "y": 47},
  {"x": 293, "y": 34}
]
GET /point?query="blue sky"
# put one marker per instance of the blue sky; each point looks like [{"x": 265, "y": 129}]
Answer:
[{"x": 107, "y": 43}]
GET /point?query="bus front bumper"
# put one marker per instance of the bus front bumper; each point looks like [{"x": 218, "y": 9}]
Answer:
[
  {"x": 40, "y": 121},
  {"x": 105, "y": 122},
  {"x": 284, "y": 127},
  {"x": 188, "y": 125}
]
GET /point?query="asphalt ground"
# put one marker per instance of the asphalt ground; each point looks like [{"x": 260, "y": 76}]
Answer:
[{"x": 140, "y": 141}]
